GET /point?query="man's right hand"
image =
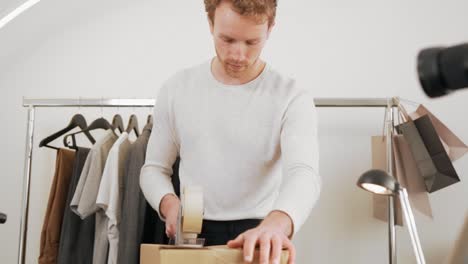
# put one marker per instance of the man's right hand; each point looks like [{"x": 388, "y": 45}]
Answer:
[{"x": 169, "y": 209}]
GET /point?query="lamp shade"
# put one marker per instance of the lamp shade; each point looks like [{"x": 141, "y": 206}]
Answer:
[{"x": 378, "y": 182}]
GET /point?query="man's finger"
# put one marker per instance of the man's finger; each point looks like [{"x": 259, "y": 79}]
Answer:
[
  {"x": 265, "y": 245},
  {"x": 249, "y": 247},
  {"x": 170, "y": 230},
  {"x": 237, "y": 242},
  {"x": 292, "y": 251},
  {"x": 276, "y": 249}
]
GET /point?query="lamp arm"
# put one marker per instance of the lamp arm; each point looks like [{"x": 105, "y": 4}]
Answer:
[{"x": 410, "y": 222}]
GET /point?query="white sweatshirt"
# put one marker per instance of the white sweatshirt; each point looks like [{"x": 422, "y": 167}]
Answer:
[{"x": 253, "y": 148}]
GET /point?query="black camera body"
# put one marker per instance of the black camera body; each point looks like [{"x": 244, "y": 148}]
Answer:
[{"x": 443, "y": 70}]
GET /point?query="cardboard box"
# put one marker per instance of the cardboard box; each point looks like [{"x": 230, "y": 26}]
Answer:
[{"x": 168, "y": 254}]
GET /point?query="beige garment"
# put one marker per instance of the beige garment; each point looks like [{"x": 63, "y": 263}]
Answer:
[
  {"x": 109, "y": 196},
  {"x": 84, "y": 199}
]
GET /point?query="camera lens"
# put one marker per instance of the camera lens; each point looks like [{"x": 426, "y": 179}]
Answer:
[
  {"x": 443, "y": 70},
  {"x": 3, "y": 218}
]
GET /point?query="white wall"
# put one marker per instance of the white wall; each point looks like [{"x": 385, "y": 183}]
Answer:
[
  {"x": 127, "y": 49},
  {"x": 6, "y": 6}
]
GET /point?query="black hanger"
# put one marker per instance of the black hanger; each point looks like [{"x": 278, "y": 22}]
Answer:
[
  {"x": 117, "y": 123},
  {"x": 133, "y": 125},
  {"x": 100, "y": 123},
  {"x": 149, "y": 120},
  {"x": 77, "y": 120}
]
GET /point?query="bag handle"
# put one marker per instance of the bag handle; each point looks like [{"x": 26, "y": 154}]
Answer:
[
  {"x": 402, "y": 110},
  {"x": 385, "y": 130}
]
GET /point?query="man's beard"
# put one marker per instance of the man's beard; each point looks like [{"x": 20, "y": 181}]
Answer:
[{"x": 235, "y": 69}]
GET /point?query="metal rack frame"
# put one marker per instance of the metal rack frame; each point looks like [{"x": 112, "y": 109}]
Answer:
[{"x": 389, "y": 103}]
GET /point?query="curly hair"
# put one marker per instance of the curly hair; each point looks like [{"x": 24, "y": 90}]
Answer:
[{"x": 258, "y": 9}]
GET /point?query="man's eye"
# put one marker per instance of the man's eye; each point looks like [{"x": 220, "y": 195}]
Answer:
[
  {"x": 251, "y": 43},
  {"x": 227, "y": 40}
]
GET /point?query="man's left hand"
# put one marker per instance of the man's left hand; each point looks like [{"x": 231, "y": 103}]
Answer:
[{"x": 272, "y": 236}]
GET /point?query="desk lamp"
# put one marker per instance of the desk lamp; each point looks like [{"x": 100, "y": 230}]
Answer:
[{"x": 381, "y": 183}]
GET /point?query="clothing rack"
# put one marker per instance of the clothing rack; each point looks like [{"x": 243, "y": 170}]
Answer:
[{"x": 390, "y": 104}]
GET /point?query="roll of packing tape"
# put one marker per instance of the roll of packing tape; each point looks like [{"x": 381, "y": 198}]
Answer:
[{"x": 192, "y": 209}]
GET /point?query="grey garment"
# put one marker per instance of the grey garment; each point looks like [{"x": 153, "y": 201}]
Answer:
[
  {"x": 77, "y": 236},
  {"x": 134, "y": 204},
  {"x": 84, "y": 199}
]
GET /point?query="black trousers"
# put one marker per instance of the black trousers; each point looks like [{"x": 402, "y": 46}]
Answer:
[{"x": 220, "y": 232}]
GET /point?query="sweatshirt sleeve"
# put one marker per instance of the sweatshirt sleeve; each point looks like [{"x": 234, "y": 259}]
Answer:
[
  {"x": 161, "y": 153},
  {"x": 300, "y": 186}
]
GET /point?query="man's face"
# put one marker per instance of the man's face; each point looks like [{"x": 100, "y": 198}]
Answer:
[{"x": 239, "y": 40}]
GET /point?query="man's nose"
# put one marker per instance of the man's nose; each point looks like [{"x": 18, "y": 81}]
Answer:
[{"x": 238, "y": 51}]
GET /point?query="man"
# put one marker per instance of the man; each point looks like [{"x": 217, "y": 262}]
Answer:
[{"x": 244, "y": 132}]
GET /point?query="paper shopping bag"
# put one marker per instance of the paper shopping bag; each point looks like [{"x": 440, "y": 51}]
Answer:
[
  {"x": 453, "y": 145},
  {"x": 409, "y": 177},
  {"x": 431, "y": 158}
]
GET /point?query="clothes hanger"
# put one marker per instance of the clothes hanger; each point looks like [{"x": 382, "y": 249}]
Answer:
[
  {"x": 77, "y": 120},
  {"x": 117, "y": 123},
  {"x": 100, "y": 123},
  {"x": 149, "y": 120},
  {"x": 133, "y": 125},
  {"x": 413, "y": 103}
]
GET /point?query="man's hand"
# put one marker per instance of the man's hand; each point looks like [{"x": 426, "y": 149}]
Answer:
[
  {"x": 169, "y": 208},
  {"x": 272, "y": 235}
]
